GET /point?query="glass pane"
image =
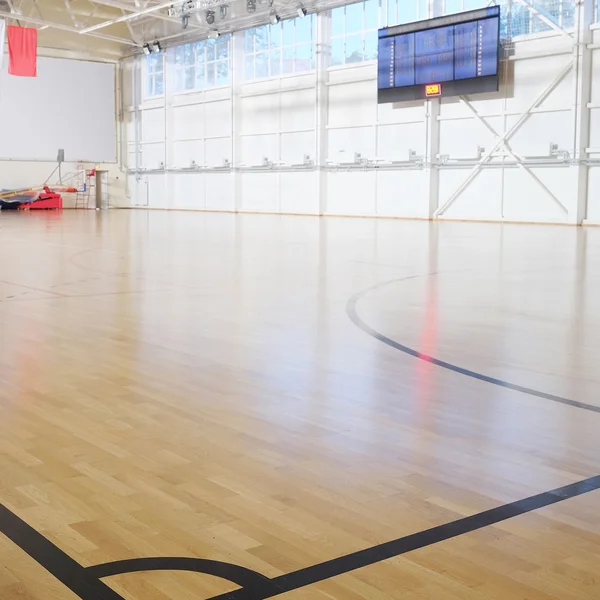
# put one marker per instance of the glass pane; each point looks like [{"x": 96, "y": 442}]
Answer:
[
  {"x": 337, "y": 51},
  {"x": 275, "y": 31},
  {"x": 261, "y": 38},
  {"x": 354, "y": 48},
  {"x": 275, "y": 63},
  {"x": 288, "y": 60},
  {"x": 303, "y": 29},
  {"x": 159, "y": 87},
  {"x": 249, "y": 40},
  {"x": 390, "y": 13},
  {"x": 372, "y": 14},
  {"x": 179, "y": 80},
  {"x": 288, "y": 32},
  {"x": 249, "y": 67},
  {"x": 199, "y": 48},
  {"x": 423, "y": 9},
  {"x": 199, "y": 72},
  {"x": 189, "y": 78},
  {"x": 210, "y": 49},
  {"x": 261, "y": 65},
  {"x": 222, "y": 72},
  {"x": 303, "y": 58},
  {"x": 337, "y": 21},
  {"x": 188, "y": 54},
  {"x": 178, "y": 55},
  {"x": 354, "y": 17},
  {"x": 223, "y": 47},
  {"x": 409, "y": 11},
  {"x": 210, "y": 74},
  {"x": 473, "y": 4},
  {"x": 371, "y": 45},
  {"x": 453, "y": 6}
]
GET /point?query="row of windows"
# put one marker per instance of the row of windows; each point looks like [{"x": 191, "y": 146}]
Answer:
[{"x": 290, "y": 45}]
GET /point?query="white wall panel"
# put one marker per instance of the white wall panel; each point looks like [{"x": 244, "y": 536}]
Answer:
[
  {"x": 295, "y": 145},
  {"x": 351, "y": 193},
  {"x": 217, "y": 150},
  {"x": 593, "y": 214},
  {"x": 187, "y": 122},
  {"x": 481, "y": 200},
  {"x": 526, "y": 200},
  {"x": 187, "y": 190},
  {"x": 460, "y": 138},
  {"x": 218, "y": 118},
  {"x": 352, "y": 104},
  {"x": 343, "y": 143},
  {"x": 260, "y": 192},
  {"x": 153, "y": 125},
  {"x": 541, "y": 129},
  {"x": 299, "y": 193},
  {"x": 255, "y": 147},
  {"x": 153, "y": 155},
  {"x": 260, "y": 113},
  {"x": 183, "y": 153},
  {"x": 298, "y": 110},
  {"x": 403, "y": 194},
  {"x": 394, "y": 141},
  {"x": 219, "y": 191}
]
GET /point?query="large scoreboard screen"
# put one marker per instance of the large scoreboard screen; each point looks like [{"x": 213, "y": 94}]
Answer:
[{"x": 445, "y": 56}]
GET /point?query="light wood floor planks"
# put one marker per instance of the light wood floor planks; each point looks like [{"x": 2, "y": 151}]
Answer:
[{"x": 191, "y": 385}]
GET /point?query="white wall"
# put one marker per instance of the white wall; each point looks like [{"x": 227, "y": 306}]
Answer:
[
  {"x": 70, "y": 105},
  {"x": 332, "y": 113}
]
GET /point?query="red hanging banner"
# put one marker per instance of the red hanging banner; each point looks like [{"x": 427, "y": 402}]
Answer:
[{"x": 22, "y": 51}]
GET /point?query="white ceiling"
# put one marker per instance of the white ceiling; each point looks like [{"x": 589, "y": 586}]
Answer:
[{"x": 90, "y": 27}]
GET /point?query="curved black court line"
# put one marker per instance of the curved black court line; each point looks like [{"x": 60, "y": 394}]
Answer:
[
  {"x": 245, "y": 578},
  {"x": 352, "y": 313},
  {"x": 85, "y": 582}
]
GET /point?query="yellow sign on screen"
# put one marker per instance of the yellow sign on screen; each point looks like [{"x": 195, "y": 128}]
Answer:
[{"x": 433, "y": 89}]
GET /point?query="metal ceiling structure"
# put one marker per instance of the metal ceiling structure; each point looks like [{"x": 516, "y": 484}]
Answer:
[{"x": 122, "y": 27}]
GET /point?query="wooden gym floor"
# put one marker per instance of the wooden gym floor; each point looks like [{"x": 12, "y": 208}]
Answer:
[{"x": 302, "y": 408}]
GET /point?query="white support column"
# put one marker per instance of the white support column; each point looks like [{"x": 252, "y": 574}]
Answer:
[
  {"x": 582, "y": 61},
  {"x": 322, "y": 106},
  {"x": 432, "y": 123},
  {"x": 237, "y": 48}
]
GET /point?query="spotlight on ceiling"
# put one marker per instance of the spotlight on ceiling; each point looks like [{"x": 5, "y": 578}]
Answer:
[
  {"x": 185, "y": 20},
  {"x": 213, "y": 34},
  {"x": 210, "y": 16},
  {"x": 171, "y": 12},
  {"x": 146, "y": 49},
  {"x": 251, "y": 6},
  {"x": 301, "y": 11},
  {"x": 156, "y": 47},
  {"x": 223, "y": 10},
  {"x": 274, "y": 18}
]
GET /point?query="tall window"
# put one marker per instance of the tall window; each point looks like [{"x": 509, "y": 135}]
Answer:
[
  {"x": 202, "y": 64},
  {"x": 155, "y": 81},
  {"x": 354, "y": 32},
  {"x": 286, "y": 47},
  {"x": 517, "y": 19},
  {"x": 395, "y": 12}
]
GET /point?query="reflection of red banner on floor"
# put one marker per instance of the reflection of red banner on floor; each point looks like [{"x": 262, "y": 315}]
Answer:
[{"x": 22, "y": 51}]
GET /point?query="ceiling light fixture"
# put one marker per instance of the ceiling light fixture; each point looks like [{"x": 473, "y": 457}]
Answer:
[
  {"x": 223, "y": 10},
  {"x": 251, "y": 6},
  {"x": 147, "y": 50},
  {"x": 213, "y": 34},
  {"x": 301, "y": 11},
  {"x": 210, "y": 16},
  {"x": 274, "y": 18},
  {"x": 156, "y": 47}
]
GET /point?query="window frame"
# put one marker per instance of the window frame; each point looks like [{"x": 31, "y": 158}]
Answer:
[
  {"x": 151, "y": 74},
  {"x": 206, "y": 63},
  {"x": 276, "y": 45}
]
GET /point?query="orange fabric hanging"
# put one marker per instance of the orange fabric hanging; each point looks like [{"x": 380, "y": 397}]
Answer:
[{"x": 22, "y": 51}]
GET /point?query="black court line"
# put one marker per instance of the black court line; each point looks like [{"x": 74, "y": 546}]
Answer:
[
  {"x": 85, "y": 582},
  {"x": 355, "y": 318}
]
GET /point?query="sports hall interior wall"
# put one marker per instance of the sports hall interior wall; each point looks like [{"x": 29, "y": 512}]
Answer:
[{"x": 330, "y": 113}]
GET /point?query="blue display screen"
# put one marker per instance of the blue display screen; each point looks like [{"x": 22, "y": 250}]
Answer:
[{"x": 461, "y": 50}]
